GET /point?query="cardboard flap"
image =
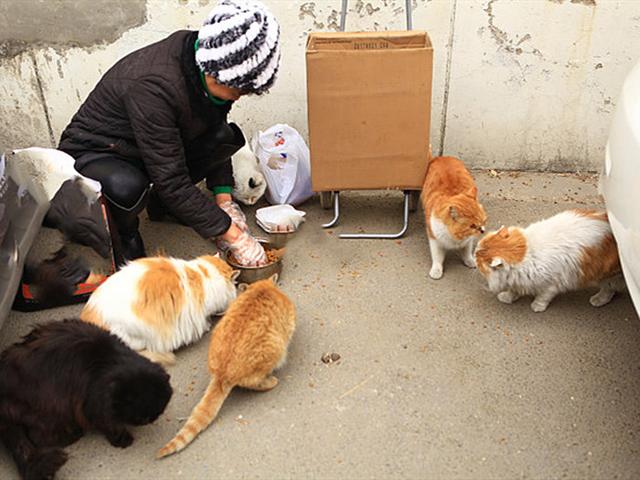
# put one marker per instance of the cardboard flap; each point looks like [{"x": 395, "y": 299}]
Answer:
[{"x": 328, "y": 41}]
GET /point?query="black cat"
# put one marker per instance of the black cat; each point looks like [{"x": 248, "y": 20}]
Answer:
[{"x": 65, "y": 378}]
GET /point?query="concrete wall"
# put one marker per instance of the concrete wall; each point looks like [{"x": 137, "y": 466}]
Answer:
[{"x": 527, "y": 84}]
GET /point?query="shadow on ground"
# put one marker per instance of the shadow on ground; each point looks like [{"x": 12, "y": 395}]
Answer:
[{"x": 436, "y": 379}]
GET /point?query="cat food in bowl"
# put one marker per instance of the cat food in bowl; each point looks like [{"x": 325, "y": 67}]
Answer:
[{"x": 253, "y": 274}]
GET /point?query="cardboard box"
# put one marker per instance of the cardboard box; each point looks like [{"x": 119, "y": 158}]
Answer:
[{"x": 369, "y": 108}]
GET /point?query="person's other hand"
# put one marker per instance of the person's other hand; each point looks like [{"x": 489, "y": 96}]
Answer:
[{"x": 224, "y": 241}]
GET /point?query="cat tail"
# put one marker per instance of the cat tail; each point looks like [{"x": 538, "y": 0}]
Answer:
[
  {"x": 166, "y": 359},
  {"x": 202, "y": 415},
  {"x": 33, "y": 462}
]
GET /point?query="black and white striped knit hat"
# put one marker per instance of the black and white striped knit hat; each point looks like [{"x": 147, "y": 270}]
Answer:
[{"x": 238, "y": 45}]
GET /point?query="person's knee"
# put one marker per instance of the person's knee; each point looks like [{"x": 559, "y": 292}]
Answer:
[
  {"x": 122, "y": 184},
  {"x": 127, "y": 191}
]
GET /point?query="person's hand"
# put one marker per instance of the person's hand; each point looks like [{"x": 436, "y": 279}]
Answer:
[
  {"x": 224, "y": 241},
  {"x": 232, "y": 209},
  {"x": 247, "y": 251}
]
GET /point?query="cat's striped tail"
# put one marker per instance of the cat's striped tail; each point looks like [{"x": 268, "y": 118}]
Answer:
[{"x": 202, "y": 415}]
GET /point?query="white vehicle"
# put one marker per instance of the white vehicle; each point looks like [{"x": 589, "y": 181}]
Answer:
[{"x": 620, "y": 181}]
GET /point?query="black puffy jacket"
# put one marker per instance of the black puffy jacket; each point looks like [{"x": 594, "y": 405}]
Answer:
[{"x": 148, "y": 109}]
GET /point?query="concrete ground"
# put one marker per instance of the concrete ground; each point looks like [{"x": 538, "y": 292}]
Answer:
[{"x": 436, "y": 379}]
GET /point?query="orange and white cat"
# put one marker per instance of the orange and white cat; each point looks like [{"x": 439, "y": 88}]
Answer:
[
  {"x": 569, "y": 251},
  {"x": 248, "y": 343},
  {"x": 158, "y": 304},
  {"x": 453, "y": 215}
]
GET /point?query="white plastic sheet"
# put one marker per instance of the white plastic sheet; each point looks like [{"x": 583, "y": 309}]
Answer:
[{"x": 279, "y": 218}]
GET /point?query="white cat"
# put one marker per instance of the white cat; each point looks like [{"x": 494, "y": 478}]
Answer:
[
  {"x": 569, "y": 251},
  {"x": 158, "y": 304},
  {"x": 250, "y": 183}
]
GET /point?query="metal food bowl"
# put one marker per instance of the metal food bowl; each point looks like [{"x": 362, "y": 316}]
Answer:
[
  {"x": 279, "y": 240},
  {"x": 253, "y": 274}
]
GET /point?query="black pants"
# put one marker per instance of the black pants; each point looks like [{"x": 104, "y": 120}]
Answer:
[{"x": 125, "y": 184}]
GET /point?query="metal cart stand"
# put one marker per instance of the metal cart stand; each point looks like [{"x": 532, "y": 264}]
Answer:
[{"x": 332, "y": 199}]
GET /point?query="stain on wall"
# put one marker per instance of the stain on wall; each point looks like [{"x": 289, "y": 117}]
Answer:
[
  {"x": 65, "y": 23},
  {"x": 510, "y": 43},
  {"x": 588, "y": 3}
]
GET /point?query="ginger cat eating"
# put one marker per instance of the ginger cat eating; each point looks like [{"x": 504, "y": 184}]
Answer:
[
  {"x": 248, "y": 343},
  {"x": 453, "y": 215}
]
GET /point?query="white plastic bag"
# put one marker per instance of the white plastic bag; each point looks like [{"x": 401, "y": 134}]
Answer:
[
  {"x": 279, "y": 218},
  {"x": 285, "y": 162}
]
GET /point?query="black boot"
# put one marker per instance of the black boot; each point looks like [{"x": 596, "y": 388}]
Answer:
[
  {"x": 128, "y": 244},
  {"x": 132, "y": 246}
]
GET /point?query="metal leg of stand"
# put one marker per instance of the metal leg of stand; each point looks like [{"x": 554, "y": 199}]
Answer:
[
  {"x": 385, "y": 236},
  {"x": 343, "y": 15},
  {"x": 336, "y": 211},
  {"x": 408, "y": 11}
]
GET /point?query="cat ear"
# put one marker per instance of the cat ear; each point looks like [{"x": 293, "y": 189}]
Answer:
[
  {"x": 234, "y": 275},
  {"x": 274, "y": 278},
  {"x": 453, "y": 212},
  {"x": 242, "y": 287},
  {"x": 496, "y": 263},
  {"x": 503, "y": 231},
  {"x": 217, "y": 255}
]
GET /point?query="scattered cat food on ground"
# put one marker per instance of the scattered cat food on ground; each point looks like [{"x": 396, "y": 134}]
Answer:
[
  {"x": 330, "y": 358},
  {"x": 239, "y": 419}
]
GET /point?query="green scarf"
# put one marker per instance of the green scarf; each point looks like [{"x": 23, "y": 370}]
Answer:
[{"x": 214, "y": 99}]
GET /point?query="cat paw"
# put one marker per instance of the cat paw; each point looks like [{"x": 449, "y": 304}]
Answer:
[
  {"x": 436, "y": 272},
  {"x": 45, "y": 464},
  {"x": 121, "y": 439},
  {"x": 469, "y": 262},
  {"x": 539, "y": 306},
  {"x": 268, "y": 383},
  {"x": 507, "y": 297},
  {"x": 601, "y": 298}
]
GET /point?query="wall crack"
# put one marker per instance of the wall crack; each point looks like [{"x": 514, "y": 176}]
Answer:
[
  {"x": 43, "y": 100},
  {"x": 447, "y": 81}
]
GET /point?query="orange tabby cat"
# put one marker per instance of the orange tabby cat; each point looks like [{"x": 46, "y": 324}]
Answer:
[
  {"x": 569, "y": 251},
  {"x": 248, "y": 343},
  {"x": 453, "y": 215}
]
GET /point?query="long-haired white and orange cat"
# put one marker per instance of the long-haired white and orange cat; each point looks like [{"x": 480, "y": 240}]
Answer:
[
  {"x": 453, "y": 215},
  {"x": 247, "y": 344},
  {"x": 569, "y": 251},
  {"x": 158, "y": 304}
]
